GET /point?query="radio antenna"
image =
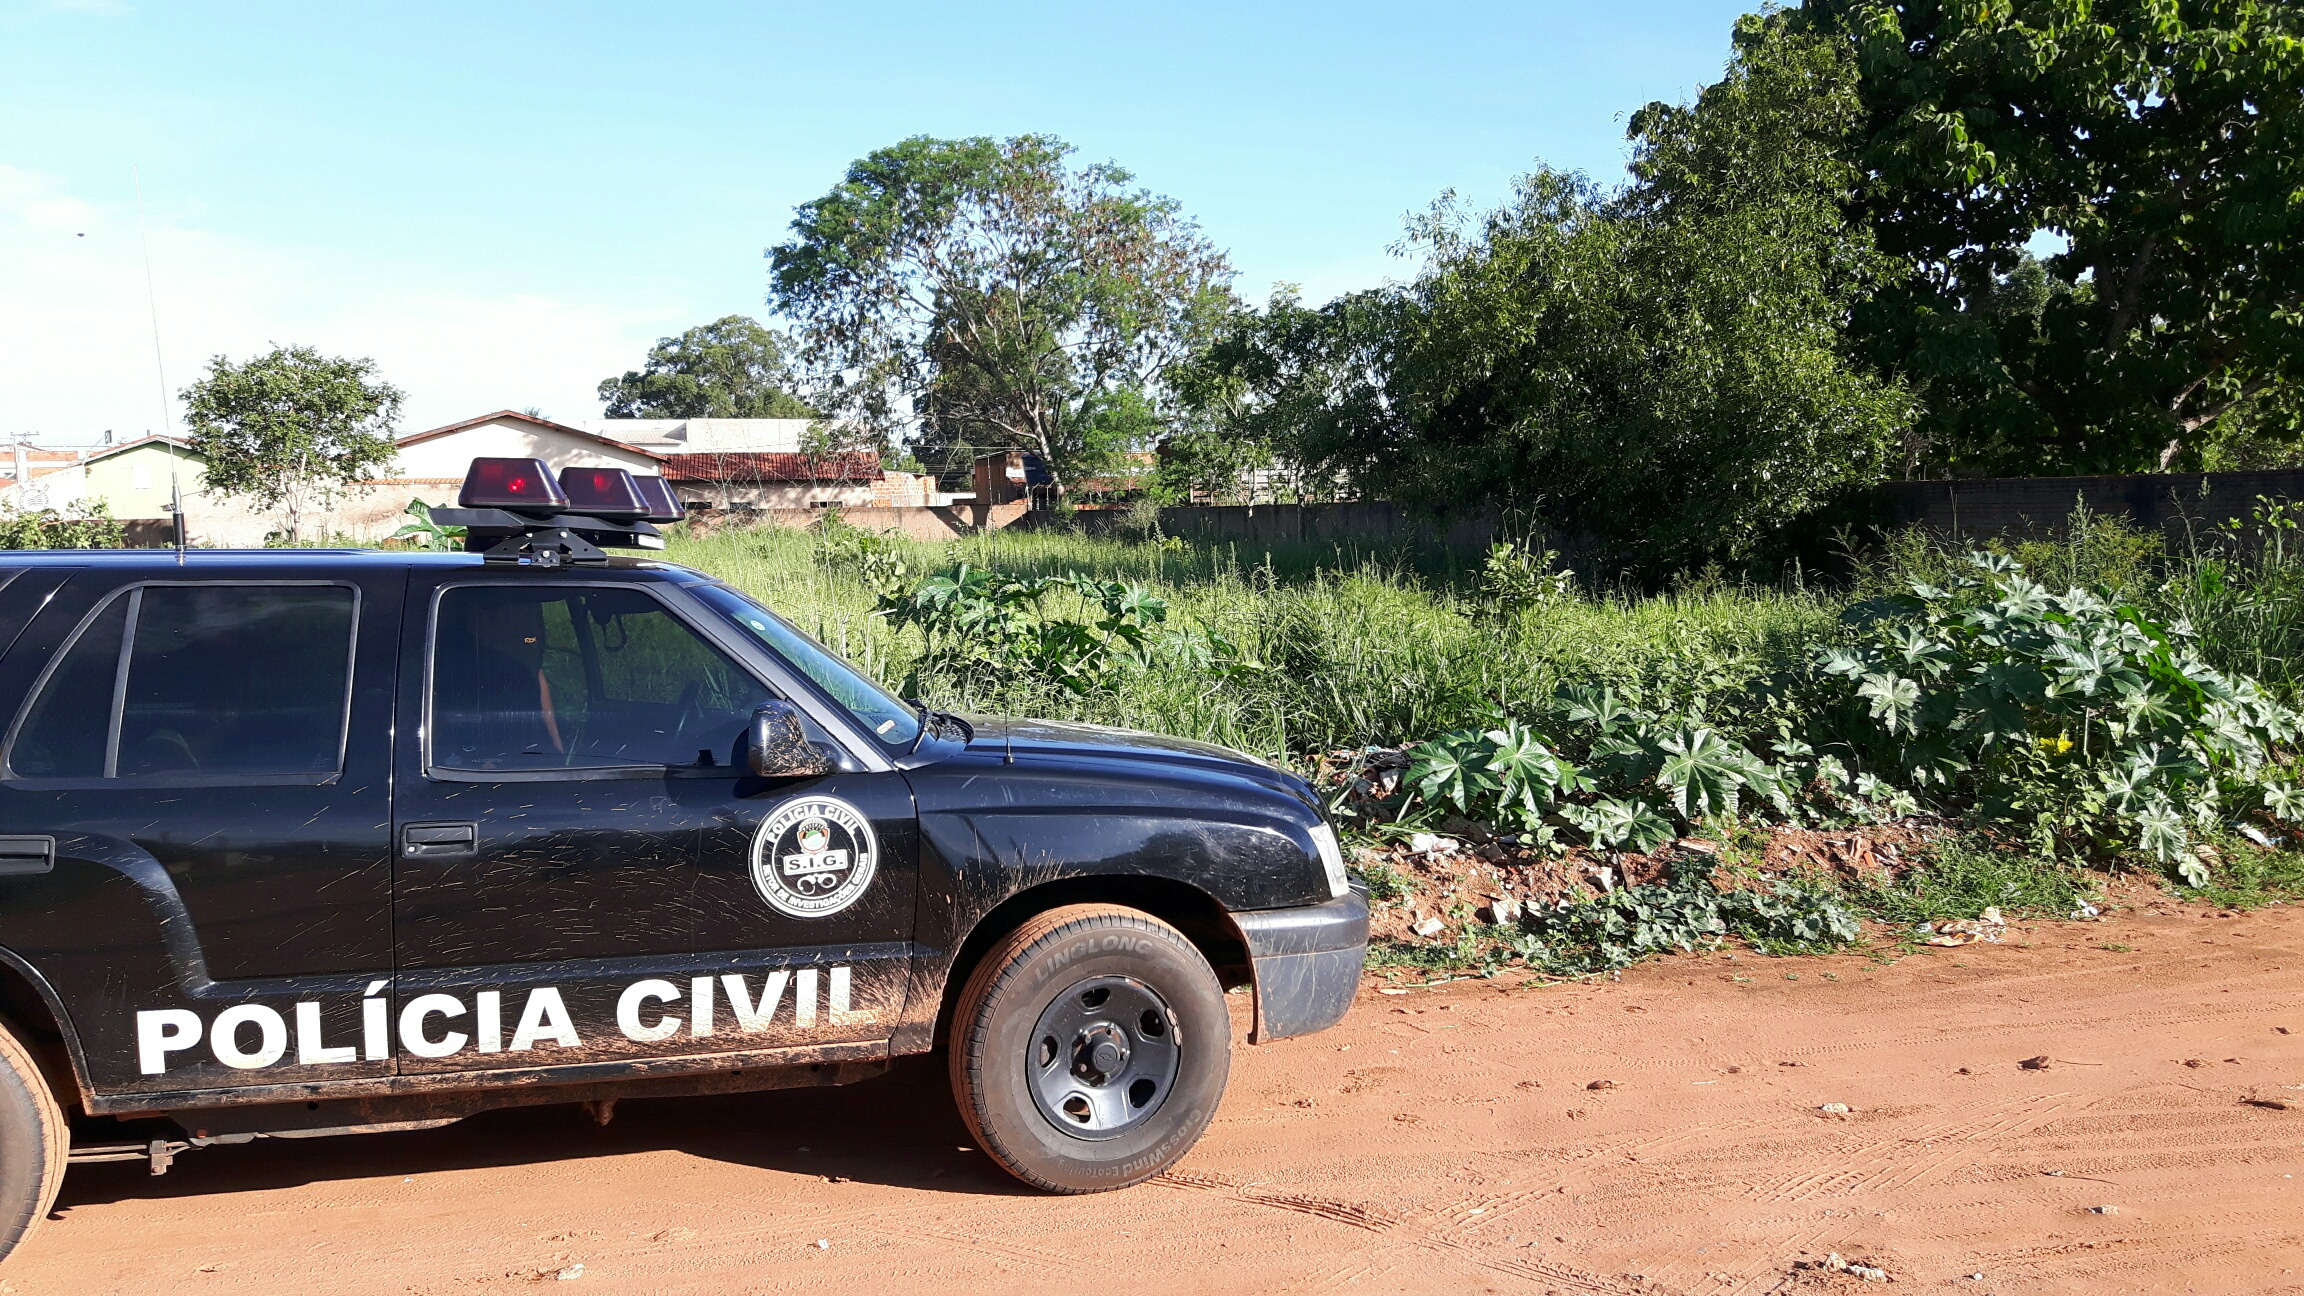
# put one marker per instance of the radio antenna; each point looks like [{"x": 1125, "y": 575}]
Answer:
[
  {"x": 152, "y": 302},
  {"x": 176, "y": 510}
]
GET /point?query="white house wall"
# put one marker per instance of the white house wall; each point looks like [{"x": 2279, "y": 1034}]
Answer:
[{"x": 449, "y": 456}]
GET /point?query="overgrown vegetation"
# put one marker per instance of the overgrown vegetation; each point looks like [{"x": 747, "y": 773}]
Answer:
[
  {"x": 2055, "y": 693},
  {"x": 1348, "y": 649},
  {"x": 49, "y": 529},
  {"x": 1965, "y": 875},
  {"x": 1686, "y": 911},
  {"x": 2075, "y": 718}
]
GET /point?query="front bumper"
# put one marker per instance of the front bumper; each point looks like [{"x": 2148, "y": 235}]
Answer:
[{"x": 1307, "y": 962}]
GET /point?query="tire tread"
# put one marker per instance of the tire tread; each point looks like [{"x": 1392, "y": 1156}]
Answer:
[{"x": 1001, "y": 964}]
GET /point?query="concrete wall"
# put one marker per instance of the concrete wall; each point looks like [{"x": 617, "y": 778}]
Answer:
[
  {"x": 1974, "y": 508},
  {"x": 774, "y": 496},
  {"x": 1372, "y": 524},
  {"x": 363, "y": 515},
  {"x": 2026, "y": 505},
  {"x": 930, "y": 524}
]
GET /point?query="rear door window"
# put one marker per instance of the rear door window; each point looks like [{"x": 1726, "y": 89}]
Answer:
[
  {"x": 65, "y": 731},
  {"x": 231, "y": 681}
]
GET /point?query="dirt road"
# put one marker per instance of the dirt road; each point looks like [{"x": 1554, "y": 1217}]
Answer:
[{"x": 1663, "y": 1133}]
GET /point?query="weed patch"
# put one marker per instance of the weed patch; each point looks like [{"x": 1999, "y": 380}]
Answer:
[
  {"x": 1686, "y": 912},
  {"x": 2242, "y": 875},
  {"x": 1961, "y": 877}
]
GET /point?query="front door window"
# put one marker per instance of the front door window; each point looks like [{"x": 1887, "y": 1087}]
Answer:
[{"x": 580, "y": 678}]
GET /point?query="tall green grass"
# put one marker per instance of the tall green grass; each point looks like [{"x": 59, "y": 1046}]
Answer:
[
  {"x": 1353, "y": 649},
  {"x": 1359, "y": 648}
]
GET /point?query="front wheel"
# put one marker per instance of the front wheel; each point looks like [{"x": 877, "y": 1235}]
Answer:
[
  {"x": 34, "y": 1141},
  {"x": 1090, "y": 1049}
]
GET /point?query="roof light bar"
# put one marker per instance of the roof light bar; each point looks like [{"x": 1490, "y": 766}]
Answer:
[
  {"x": 603, "y": 493},
  {"x": 521, "y": 485},
  {"x": 515, "y": 511},
  {"x": 663, "y": 505}
]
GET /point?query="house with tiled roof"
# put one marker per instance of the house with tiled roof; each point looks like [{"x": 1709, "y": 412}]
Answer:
[
  {"x": 742, "y": 468},
  {"x": 135, "y": 479}
]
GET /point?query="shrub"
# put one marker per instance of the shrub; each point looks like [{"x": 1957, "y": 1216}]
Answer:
[
  {"x": 49, "y": 529},
  {"x": 1644, "y": 777},
  {"x": 977, "y": 624},
  {"x": 2077, "y": 720}
]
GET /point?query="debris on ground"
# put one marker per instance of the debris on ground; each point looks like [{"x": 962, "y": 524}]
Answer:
[
  {"x": 570, "y": 1274},
  {"x": 1836, "y": 1263},
  {"x": 1989, "y": 926},
  {"x": 1835, "y": 1109},
  {"x": 2040, "y": 1063}
]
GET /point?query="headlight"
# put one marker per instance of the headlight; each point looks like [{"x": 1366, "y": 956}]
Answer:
[{"x": 1331, "y": 859}]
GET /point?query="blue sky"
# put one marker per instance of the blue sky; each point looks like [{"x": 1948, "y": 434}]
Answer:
[{"x": 505, "y": 203}]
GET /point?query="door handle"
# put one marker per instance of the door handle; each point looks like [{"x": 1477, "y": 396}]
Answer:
[
  {"x": 24, "y": 856},
  {"x": 439, "y": 840}
]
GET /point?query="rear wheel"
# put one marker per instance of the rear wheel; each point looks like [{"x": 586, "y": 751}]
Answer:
[
  {"x": 33, "y": 1142},
  {"x": 1090, "y": 1049}
]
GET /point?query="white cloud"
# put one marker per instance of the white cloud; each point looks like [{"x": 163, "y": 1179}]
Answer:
[{"x": 76, "y": 345}]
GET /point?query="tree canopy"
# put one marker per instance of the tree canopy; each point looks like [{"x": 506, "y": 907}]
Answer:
[
  {"x": 1660, "y": 366},
  {"x": 291, "y": 429},
  {"x": 989, "y": 294},
  {"x": 733, "y": 367},
  {"x": 2162, "y": 143}
]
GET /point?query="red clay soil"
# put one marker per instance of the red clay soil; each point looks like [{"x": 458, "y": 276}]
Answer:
[{"x": 1663, "y": 1133}]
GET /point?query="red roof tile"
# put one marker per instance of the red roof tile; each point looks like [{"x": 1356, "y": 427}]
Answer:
[{"x": 747, "y": 467}]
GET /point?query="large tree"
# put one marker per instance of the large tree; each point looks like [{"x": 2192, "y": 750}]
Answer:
[
  {"x": 733, "y": 367},
  {"x": 2162, "y": 142},
  {"x": 1660, "y": 367},
  {"x": 991, "y": 294},
  {"x": 1296, "y": 390},
  {"x": 291, "y": 429}
]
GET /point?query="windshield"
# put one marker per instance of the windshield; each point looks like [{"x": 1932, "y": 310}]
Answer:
[{"x": 890, "y": 718}]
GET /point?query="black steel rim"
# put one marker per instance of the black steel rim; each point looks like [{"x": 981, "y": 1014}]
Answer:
[{"x": 1103, "y": 1057}]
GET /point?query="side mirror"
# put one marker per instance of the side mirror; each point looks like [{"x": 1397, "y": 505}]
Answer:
[{"x": 778, "y": 746}]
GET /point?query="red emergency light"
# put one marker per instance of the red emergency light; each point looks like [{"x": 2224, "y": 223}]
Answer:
[
  {"x": 516, "y": 511},
  {"x": 663, "y": 505},
  {"x": 603, "y": 493},
  {"x": 521, "y": 485}
]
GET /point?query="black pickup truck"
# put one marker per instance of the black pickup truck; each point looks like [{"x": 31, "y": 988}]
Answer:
[{"x": 297, "y": 842}]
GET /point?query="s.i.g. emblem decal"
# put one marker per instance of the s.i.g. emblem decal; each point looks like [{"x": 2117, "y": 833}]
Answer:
[{"x": 813, "y": 857}]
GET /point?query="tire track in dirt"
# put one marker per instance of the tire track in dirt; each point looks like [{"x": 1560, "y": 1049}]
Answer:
[{"x": 1395, "y": 1231}]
